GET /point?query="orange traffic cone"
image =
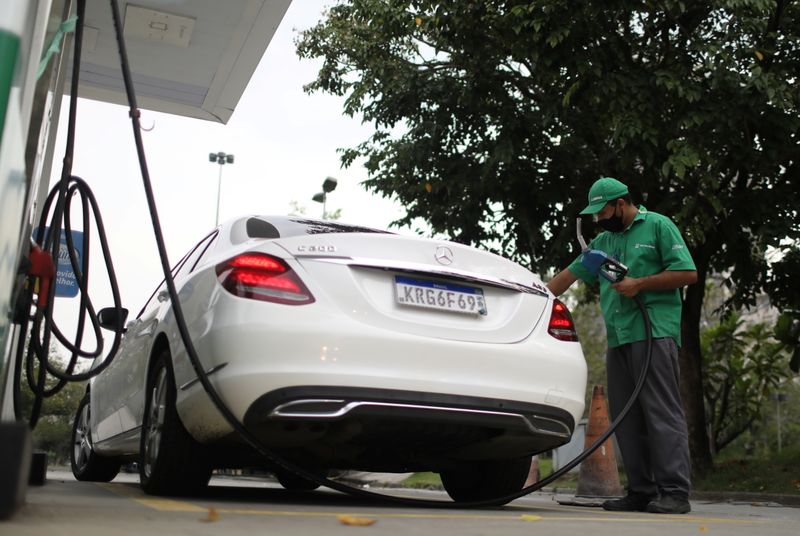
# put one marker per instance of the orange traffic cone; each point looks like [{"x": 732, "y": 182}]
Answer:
[
  {"x": 598, "y": 478},
  {"x": 533, "y": 473}
]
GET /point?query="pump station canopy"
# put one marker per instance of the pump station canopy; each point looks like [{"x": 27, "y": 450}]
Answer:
[{"x": 189, "y": 58}]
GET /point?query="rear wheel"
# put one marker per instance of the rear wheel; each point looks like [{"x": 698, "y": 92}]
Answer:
[
  {"x": 293, "y": 482},
  {"x": 486, "y": 480},
  {"x": 87, "y": 465},
  {"x": 171, "y": 462}
]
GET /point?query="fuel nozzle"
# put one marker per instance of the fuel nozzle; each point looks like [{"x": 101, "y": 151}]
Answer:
[{"x": 599, "y": 262}]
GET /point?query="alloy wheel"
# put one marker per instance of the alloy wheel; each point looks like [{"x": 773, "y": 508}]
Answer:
[
  {"x": 155, "y": 421},
  {"x": 82, "y": 445}
]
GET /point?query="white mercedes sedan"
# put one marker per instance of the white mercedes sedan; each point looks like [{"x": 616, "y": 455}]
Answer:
[{"x": 341, "y": 348}]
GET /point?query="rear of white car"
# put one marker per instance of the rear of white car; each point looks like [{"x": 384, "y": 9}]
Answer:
[
  {"x": 379, "y": 352},
  {"x": 339, "y": 347}
]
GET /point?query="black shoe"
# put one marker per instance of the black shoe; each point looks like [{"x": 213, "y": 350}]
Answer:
[
  {"x": 670, "y": 504},
  {"x": 632, "y": 502}
]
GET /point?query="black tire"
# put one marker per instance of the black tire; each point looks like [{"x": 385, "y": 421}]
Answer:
[
  {"x": 171, "y": 462},
  {"x": 486, "y": 480},
  {"x": 87, "y": 465},
  {"x": 293, "y": 482}
]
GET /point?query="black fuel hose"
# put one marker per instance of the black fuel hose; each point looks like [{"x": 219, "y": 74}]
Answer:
[
  {"x": 232, "y": 420},
  {"x": 42, "y": 324}
]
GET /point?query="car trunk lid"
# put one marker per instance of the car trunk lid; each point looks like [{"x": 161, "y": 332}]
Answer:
[{"x": 421, "y": 287}]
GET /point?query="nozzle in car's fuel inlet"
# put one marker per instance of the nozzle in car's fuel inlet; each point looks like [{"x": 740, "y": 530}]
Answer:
[{"x": 599, "y": 262}]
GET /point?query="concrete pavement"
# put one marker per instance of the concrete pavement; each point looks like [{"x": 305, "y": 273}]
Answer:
[{"x": 245, "y": 506}]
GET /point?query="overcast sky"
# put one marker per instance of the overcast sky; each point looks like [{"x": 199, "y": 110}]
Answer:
[{"x": 284, "y": 142}]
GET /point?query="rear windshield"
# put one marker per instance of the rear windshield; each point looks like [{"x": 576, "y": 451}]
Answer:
[{"x": 283, "y": 227}]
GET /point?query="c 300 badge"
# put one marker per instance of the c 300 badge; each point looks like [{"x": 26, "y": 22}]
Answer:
[{"x": 316, "y": 249}]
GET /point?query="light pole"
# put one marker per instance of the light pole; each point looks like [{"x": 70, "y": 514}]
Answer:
[
  {"x": 328, "y": 185},
  {"x": 221, "y": 159}
]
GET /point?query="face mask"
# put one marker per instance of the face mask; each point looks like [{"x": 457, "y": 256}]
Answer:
[{"x": 613, "y": 224}]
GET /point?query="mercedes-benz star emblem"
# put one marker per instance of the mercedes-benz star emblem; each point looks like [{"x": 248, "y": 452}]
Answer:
[{"x": 444, "y": 255}]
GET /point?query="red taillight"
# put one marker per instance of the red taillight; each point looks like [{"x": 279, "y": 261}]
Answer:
[
  {"x": 263, "y": 277},
  {"x": 561, "y": 325}
]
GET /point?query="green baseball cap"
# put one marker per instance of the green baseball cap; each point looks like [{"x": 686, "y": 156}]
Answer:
[{"x": 603, "y": 190}]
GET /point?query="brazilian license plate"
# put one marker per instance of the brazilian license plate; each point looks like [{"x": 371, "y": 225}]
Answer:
[{"x": 440, "y": 296}]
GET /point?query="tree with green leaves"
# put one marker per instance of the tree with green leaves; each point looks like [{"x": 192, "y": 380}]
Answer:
[
  {"x": 743, "y": 366},
  {"x": 53, "y": 432},
  {"x": 493, "y": 118}
]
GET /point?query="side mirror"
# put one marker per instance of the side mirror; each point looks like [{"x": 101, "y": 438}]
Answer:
[{"x": 112, "y": 318}]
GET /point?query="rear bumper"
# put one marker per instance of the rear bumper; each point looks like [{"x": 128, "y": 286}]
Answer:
[
  {"x": 326, "y": 404},
  {"x": 390, "y": 430}
]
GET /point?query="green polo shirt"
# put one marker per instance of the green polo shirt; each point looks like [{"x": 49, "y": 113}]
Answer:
[{"x": 649, "y": 246}]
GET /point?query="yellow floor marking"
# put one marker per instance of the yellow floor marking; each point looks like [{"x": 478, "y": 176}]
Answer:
[
  {"x": 163, "y": 505},
  {"x": 126, "y": 490},
  {"x": 171, "y": 505},
  {"x": 524, "y": 517}
]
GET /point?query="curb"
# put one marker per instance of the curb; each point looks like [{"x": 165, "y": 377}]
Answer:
[
  {"x": 755, "y": 499},
  {"x": 733, "y": 497}
]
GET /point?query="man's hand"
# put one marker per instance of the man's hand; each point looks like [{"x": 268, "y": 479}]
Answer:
[
  {"x": 561, "y": 282},
  {"x": 666, "y": 280},
  {"x": 628, "y": 287}
]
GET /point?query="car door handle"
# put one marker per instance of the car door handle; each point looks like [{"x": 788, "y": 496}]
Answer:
[{"x": 162, "y": 296}]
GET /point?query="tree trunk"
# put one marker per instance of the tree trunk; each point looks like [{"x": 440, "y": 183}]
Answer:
[{"x": 692, "y": 375}]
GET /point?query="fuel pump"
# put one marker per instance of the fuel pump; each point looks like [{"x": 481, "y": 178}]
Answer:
[{"x": 21, "y": 28}]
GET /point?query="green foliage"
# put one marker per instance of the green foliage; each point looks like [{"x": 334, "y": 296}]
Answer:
[
  {"x": 301, "y": 210},
  {"x": 296, "y": 208},
  {"x": 778, "y": 418},
  {"x": 425, "y": 480},
  {"x": 53, "y": 432},
  {"x": 787, "y": 331},
  {"x": 772, "y": 474},
  {"x": 782, "y": 280},
  {"x": 505, "y": 112},
  {"x": 743, "y": 366},
  {"x": 334, "y": 215}
]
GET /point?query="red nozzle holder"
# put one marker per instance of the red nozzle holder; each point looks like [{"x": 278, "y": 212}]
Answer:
[{"x": 42, "y": 267}]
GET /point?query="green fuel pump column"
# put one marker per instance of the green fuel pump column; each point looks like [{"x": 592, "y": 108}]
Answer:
[{"x": 21, "y": 39}]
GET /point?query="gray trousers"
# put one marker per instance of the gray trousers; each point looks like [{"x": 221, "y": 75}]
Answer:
[{"x": 653, "y": 437}]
